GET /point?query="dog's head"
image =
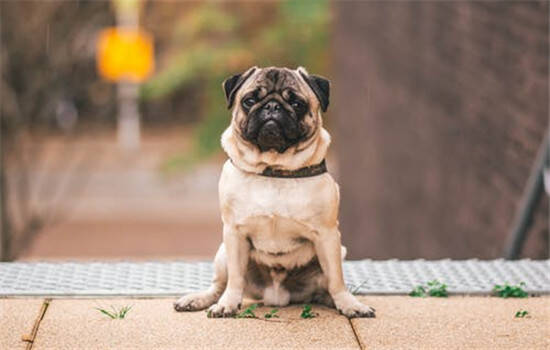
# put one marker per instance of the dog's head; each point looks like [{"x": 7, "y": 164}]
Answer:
[{"x": 276, "y": 108}]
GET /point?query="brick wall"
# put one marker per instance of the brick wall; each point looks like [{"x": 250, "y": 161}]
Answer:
[{"x": 438, "y": 111}]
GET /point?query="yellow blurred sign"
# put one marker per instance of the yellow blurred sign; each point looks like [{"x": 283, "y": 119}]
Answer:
[
  {"x": 127, "y": 5},
  {"x": 125, "y": 54}
]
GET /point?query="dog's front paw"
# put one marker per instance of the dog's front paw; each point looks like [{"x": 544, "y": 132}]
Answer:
[
  {"x": 195, "y": 301},
  {"x": 349, "y": 306},
  {"x": 227, "y": 306}
]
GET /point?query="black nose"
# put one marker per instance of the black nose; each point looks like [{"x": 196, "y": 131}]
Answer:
[{"x": 272, "y": 106}]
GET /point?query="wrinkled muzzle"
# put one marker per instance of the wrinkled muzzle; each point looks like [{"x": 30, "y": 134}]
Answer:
[{"x": 272, "y": 127}]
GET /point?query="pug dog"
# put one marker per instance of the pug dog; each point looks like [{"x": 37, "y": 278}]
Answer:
[{"x": 279, "y": 206}]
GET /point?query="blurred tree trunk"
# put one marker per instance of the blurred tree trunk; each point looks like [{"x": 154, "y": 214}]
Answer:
[
  {"x": 5, "y": 233},
  {"x": 47, "y": 68},
  {"x": 440, "y": 109}
]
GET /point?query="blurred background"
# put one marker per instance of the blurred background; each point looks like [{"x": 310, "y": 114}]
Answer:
[{"x": 112, "y": 111}]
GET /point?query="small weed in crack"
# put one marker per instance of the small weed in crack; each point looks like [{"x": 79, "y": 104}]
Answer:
[{"x": 115, "y": 314}]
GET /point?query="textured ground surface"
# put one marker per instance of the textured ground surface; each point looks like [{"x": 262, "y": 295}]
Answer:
[
  {"x": 17, "y": 317},
  {"x": 402, "y": 322},
  {"x": 455, "y": 323}
]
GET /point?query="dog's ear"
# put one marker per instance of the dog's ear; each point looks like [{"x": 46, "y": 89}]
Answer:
[
  {"x": 232, "y": 84},
  {"x": 319, "y": 85}
]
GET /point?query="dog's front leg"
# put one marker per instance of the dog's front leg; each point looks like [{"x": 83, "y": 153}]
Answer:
[
  {"x": 237, "y": 251},
  {"x": 328, "y": 249}
]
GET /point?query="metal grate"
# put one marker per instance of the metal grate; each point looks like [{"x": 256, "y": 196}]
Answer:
[
  {"x": 177, "y": 277},
  {"x": 461, "y": 277}
]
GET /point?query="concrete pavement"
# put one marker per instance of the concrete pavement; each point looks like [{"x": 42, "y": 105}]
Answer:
[{"x": 402, "y": 322}]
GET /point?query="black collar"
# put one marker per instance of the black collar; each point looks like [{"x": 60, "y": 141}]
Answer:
[{"x": 308, "y": 171}]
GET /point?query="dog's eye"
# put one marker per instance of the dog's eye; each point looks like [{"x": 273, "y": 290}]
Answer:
[
  {"x": 249, "y": 102},
  {"x": 297, "y": 105}
]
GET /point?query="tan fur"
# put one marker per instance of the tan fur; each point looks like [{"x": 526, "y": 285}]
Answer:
[{"x": 279, "y": 223}]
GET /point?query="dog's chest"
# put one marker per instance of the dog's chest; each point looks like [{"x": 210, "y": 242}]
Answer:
[
  {"x": 276, "y": 214},
  {"x": 273, "y": 216},
  {"x": 274, "y": 234}
]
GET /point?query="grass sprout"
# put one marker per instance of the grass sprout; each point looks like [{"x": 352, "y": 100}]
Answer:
[
  {"x": 354, "y": 289},
  {"x": 248, "y": 312},
  {"x": 307, "y": 312},
  {"x": 114, "y": 313},
  {"x": 272, "y": 314}
]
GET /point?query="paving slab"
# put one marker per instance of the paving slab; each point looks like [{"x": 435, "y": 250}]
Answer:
[
  {"x": 17, "y": 318},
  {"x": 153, "y": 324},
  {"x": 455, "y": 323}
]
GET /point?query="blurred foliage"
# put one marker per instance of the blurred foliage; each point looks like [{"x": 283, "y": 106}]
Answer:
[
  {"x": 215, "y": 40},
  {"x": 48, "y": 86}
]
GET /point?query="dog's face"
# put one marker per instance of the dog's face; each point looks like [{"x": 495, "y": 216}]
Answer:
[{"x": 276, "y": 108}]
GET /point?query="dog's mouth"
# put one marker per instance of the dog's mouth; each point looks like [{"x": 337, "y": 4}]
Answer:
[
  {"x": 278, "y": 132},
  {"x": 271, "y": 136}
]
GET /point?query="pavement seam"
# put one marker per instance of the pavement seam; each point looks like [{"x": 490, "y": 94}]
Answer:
[
  {"x": 357, "y": 338},
  {"x": 31, "y": 337}
]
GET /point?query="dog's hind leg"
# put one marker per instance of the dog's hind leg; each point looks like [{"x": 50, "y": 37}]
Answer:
[{"x": 202, "y": 300}]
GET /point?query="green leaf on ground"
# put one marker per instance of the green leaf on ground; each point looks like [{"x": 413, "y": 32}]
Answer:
[
  {"x": 433, "y": 288},
  {"x": 307, "y": 312},
  {"x": 272, "y": 313},
  {"x": 522, "y": 313},
  {"x": 508, "y": 291},
  {"x": 248, "y": 312},
  {"x": 437, "y": 289},
  {"x": 418, "y": 291}
]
